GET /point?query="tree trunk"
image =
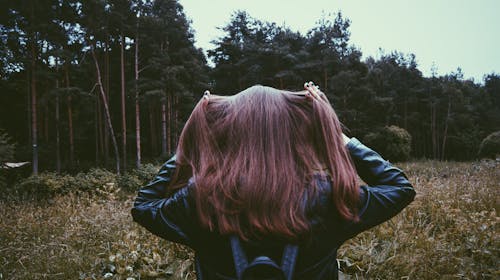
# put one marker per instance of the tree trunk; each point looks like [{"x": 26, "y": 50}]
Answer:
[
  {"x": 124, "y": 121},
  {"x": 34, "y": 140},
  {"x": 176, "y": 120},
  {"x": 325, "y": 80},
  {"x": 58, "y": 138},
  {"x": 70, "y": 118},
  {"x": 163, "y": 127},
  {"x": 100, "y": 127},
  {"x": 106, "y": 109},
  {"x": 152, "y": 130},
  {"x": 46, "y": 122},
  {"x": 28, "y": 104},
  {"x": 97, "y": 134},
  {"x": 445, "y": 133},
  {"x": 137, "y": 108},
  {"x": 405, "y": 113},
  {"x": 169, "y": 123},
  {"x": 106, "y": 92},
  {"x": 432, "y": 125}
]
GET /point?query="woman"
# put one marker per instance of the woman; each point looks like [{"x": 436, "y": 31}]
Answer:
[{"x": 271, "y": 167}]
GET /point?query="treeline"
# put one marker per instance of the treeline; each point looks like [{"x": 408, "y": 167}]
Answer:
[
  {"x": 446, "y": 116},
  {"x": 96, "y": 83},
  {"x": 109, "y": 83}
]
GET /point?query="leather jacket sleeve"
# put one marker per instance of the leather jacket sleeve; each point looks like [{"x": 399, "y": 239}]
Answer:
[
  {"x": 168, "y": 217},
  {"x": 387, "y": 193}
]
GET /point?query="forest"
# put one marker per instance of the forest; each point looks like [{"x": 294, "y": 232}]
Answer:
[{"x": 110, "y": 83}]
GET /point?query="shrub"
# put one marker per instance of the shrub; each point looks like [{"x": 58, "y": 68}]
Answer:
[
  {"x": 6, "y": 148},
  {"x": 129, "y": 182},
  {"x": 146, "y": 172},
  {"x": 46, "y": 185},
  {"x": 96, "y": 181},
  {"x": 392, "y": 142},
  {"x": 6, "y": 153},
  {"x": 490, "y": 146},
  {"x": 49, "y": 184}
]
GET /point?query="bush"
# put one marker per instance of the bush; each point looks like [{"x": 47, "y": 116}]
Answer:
[
  {"x": 490, "y": 146},
  {"x": 392, "y": 142},
  {"x": 96, "y": 181},
  {"x": 137, "y": 178},
  {"x": 6, "y": 153},
  {"x": 129, "y": 182},
  {"x": 146, "y": 172},
  {"x": 6, "y": 148},
  {"x": 49, "y": 184},
  {"x": 46, "y": 185}
]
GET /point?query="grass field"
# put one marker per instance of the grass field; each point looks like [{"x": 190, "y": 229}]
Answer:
[{"x": 450, "y": 231}]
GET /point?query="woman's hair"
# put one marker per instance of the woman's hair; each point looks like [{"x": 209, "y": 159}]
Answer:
[{"x": 253, "y": 156}]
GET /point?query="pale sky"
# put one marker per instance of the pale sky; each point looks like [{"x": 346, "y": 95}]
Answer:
[{"x": 448, "y": 33}]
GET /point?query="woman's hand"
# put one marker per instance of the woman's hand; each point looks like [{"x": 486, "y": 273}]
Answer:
[
  {"x": 345, "y": 138},
  {"x": 313, "y": 91}
]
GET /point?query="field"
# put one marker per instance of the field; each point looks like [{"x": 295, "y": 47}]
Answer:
[{"x": 450, "y": 231}]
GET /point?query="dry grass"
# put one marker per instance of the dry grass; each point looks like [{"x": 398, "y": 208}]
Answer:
[
  {"x": 451, "y": 231},
  {"x": 81, "y": 238}
]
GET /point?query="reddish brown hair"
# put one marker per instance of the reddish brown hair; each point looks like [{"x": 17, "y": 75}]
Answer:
[{"x": 253, "y": 155}]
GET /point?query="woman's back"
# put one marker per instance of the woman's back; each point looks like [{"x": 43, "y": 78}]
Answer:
[{"x": 271, "y": 168}]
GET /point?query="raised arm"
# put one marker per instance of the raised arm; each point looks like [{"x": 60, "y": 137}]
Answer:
[
  {"x": 167, "y": 217},
  {"x": 388, "y": 190},
  {"x": 387, "y": 193}
]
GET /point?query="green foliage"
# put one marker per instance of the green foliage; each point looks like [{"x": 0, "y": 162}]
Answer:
[
  {"x": 129, "y": 182},
  {"x": 490, "y": 146},
  {"x": 137, "y": 178},
  {"x": 7, "y": 148},
  {"x": 45, "y": 185},
  {"x": 392, "y": 142},
  {"x": 100, "y": 182},
  {"x": 94, "y": 179},
  {"x": 146, "y": 172}
]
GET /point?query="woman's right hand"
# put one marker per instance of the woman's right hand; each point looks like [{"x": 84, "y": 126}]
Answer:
[{"x": 314, "y": 92}]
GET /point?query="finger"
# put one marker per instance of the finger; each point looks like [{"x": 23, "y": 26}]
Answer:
[
  {"x": 321, "y": 94},
  {"x": 206, "y": 94},
  {"x": 314, "y": 90},
  {"x": 309, "y": 95}
]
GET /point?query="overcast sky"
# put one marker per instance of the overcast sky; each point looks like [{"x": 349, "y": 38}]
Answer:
[{"x": 448, "y": 33}]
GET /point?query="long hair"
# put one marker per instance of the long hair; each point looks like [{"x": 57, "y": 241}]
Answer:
[{"x": 253, "y": 156}]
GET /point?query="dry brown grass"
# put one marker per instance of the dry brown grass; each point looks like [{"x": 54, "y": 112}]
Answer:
[{"x": 451, "y": 231}]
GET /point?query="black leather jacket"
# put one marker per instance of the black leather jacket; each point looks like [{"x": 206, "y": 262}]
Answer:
[{"x": 174, "y": 218}]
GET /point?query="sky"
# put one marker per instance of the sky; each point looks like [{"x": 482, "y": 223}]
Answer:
[{"x": 445, "y": 33}]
